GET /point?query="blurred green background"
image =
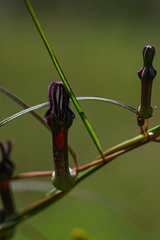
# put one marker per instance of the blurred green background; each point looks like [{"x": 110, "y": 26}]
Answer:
[{"x": 99, "y": 46}]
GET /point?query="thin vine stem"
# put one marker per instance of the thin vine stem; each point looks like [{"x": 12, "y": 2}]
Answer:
[
  {"x": 31, "y": 109},
  {"x": 54, "y": 195},
  {"x": 24, "y": 105}
]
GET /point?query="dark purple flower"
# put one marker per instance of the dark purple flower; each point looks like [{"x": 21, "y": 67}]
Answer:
[
  {"x": 6, "y": 165},
  {"x": 147, "y": 73},
  {"x": 59, "y": 118},
  {"x": 6, "y": 170}
]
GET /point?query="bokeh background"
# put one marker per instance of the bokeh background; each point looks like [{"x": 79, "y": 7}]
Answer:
[{"x": 99, "y": 46}]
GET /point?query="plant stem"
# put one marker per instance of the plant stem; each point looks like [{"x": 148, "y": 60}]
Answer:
[{"x": 63, "y": 78}]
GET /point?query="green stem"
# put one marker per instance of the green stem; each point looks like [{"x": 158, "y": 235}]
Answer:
[
  {"x": 63, "y": 78},
  {"x": 54, "y": 195}
]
